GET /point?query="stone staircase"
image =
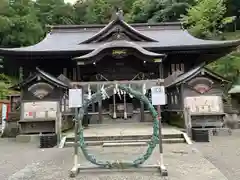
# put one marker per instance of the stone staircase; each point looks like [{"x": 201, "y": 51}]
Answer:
[
  {"x": 128, "y": 140},
  {"x": 124, "y": 134}
]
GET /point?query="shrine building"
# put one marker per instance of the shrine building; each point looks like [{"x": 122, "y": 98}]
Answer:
[{"x": 138, "y": 55}]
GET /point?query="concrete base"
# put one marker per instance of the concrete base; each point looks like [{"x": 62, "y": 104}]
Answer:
[
  {"x": 76, "y": 169},
  {"x": 11, "y": 129},
  {"x": 28, "y": 138},
  {"x": 220, "y": 132}
]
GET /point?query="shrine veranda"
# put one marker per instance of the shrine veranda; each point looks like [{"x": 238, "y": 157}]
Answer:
[{"x": 140, "y": 56}]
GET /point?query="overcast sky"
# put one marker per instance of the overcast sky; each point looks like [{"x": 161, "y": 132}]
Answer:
[{"x": 70, "y": 1}]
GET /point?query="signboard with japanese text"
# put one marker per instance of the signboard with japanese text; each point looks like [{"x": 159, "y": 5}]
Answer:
[
  {"x": 40, "y": 109},
  {"x": 204, "y": 104},
  {"x": 75, "y": 98},
  {"x": 158, "y": 95}
]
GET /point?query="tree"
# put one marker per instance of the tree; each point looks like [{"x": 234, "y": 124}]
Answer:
[
  {"x": 158, "y": 10},
  {"x": 98, "y": 12},
  {"x": 19, "y": 25},
  {"x": 171, "y": 10},
  {"x": 206, "y": 19},
  {"x": 53, "y": 12}
]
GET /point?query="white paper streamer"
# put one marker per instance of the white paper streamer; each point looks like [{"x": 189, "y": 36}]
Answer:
[
  {"x": 144, "y": 91},
  {"x": 131, "y": 96},
  {"x": 89, "y": 92}
]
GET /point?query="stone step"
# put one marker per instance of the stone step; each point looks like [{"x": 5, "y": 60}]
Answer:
[
  {"x": 126, "y": 137},
  {"x": 124, "y": 144},
  {"x": 100, "y": 143}
]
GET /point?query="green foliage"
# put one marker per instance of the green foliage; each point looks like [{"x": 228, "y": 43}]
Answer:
[
  {"x": 5, "y": 83},
  {"x": 158, "y": 11},
  {"x": 228, "y": 66},
  {"x": 206, "y": 19}
]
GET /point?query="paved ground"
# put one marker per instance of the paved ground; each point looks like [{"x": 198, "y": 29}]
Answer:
[
  {"x": 27, "y": 162},
  {"x": 224, "y": 153}
]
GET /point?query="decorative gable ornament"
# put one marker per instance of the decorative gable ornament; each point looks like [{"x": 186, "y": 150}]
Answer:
[
  {"x": 201, "y": 84},
  {"x": 41, "y": 90},
  {"x": 201, "y": 88}
]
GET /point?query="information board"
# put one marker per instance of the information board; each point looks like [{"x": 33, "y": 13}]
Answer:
[
  {"x": 204, "y": 104},
  {"x": 75, "y": 98},
  {"x": 40, "y": 109},
  {"x": 158, "y": 95}
]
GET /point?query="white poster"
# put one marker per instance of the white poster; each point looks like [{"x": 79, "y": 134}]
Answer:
[
  {"x": 40, "y": 109},
  {"x": 158, "y": 95},
  {"x": 4, "y": 116},
  {"x": 204, "y": 104},
  {"x": 75, "y": 98}
]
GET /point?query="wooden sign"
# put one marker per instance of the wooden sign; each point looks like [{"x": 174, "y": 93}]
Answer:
[
  {"x": 40, "y": 110},
  {"x": 204, "y": 104}
]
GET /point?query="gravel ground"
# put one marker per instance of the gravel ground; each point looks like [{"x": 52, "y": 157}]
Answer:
[
  {"x": 224, "y": 153},
  {"x": 20, "y": 161}
]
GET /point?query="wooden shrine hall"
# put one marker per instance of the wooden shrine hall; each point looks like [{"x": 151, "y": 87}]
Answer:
[{"x": 138, "y": 55}]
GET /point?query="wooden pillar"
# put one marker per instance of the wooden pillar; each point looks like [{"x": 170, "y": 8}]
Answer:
[
  {"x": 65, "y": 72},
  {"x": 20, "y": 73},
  {"x": 78, "y": 73},
  {"x": 74, "y": 74},
  {"x": 99, "y": 108}
]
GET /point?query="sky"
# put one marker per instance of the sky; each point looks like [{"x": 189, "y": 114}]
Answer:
[{"x": 70, "y": 1}]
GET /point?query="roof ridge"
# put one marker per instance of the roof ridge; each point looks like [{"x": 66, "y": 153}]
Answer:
[{"x": 89, "y": 26}]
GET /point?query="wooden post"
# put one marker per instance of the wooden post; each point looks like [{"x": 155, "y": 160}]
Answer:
[
  {"x": 162, "y": 166},
  {"x": 76, "y": 138},
  {"x": 20, "y": 73},
  {"x": 65, "y": 72},
  {"x": 78, "y": 73},
  {"x": 58, "y": 124},
  {"x": 188, "y": 122},
  {"x": 74, "y": 74}
]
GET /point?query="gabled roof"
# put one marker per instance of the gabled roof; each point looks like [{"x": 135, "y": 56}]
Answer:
[
  {"x": 120, "y": 44},
  {"x": 86, "y": 38},
  {"x": 51, "y": 79},
  {"x": 234, "y": 90},
  {"x": 192, "y": 73},
  {"x": 118, "y": 26}
]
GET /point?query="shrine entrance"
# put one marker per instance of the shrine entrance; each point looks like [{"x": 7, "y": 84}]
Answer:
[{"x": 128, "y": 64}]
